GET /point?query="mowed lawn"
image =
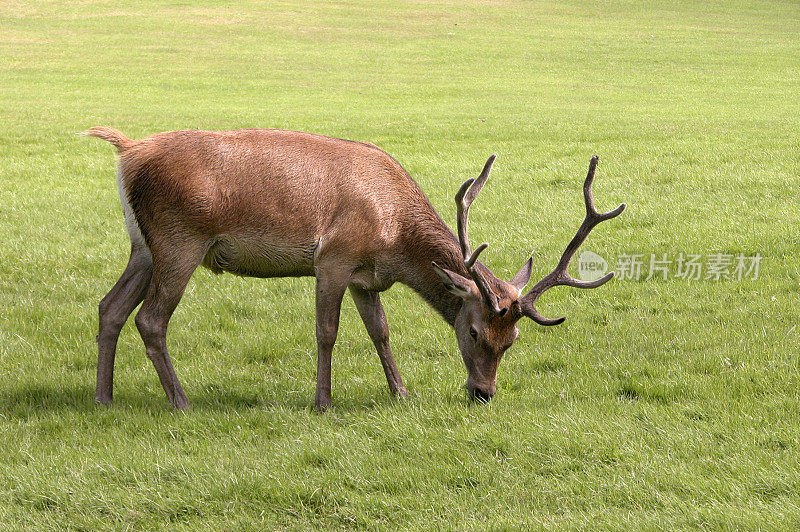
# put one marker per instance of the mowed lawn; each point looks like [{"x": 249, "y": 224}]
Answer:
[{"x": 659, "y": 404}]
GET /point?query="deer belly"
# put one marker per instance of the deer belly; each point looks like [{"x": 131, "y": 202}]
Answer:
[{"x": 260, "y": 257}]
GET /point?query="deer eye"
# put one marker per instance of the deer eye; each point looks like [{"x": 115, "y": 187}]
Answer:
[{"x": 473, "y": 332}]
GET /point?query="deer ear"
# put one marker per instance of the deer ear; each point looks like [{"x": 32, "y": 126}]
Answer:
[
  {"x": 455, "y": 284},
  {"x": 523, "y": 275}
]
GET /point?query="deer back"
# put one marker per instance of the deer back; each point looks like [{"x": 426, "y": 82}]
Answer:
[{"x": 270, "y": 202}]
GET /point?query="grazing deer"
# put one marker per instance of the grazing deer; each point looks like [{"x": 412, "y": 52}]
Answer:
[{"x": 274, "y": 203}]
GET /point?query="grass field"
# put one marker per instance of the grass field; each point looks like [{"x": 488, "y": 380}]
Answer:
[{"x": 659, "y": 404}]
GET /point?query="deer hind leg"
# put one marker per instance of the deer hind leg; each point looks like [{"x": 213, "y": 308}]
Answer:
[
  {"x": 171, "y": 272},
  {"x": 370, "y": 308},
  {"x": 115, "y": 308}
]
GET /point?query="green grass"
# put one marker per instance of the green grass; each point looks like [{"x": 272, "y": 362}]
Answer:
[{"x": 657, "y": 405}]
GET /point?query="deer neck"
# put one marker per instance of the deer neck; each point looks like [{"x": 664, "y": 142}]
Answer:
[{"x": 430, "y": 240}]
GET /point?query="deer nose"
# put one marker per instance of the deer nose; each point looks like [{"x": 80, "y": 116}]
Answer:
[{"x": 481, "y": 396}]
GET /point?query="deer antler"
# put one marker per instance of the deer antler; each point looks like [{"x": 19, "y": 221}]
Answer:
[
  {"x": 560, "y": 275},
  {"x": 464, "y": 198}
]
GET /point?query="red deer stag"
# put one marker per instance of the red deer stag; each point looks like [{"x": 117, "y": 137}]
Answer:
[{"x": 273, "y": 203}]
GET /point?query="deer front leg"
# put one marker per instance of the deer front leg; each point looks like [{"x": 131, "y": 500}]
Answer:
[
  {"x": 330, "y": 291},
  {"x": 370, "y": 308}
]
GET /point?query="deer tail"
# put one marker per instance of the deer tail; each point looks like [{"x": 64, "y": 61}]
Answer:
[{"x": 117, "y": 138}]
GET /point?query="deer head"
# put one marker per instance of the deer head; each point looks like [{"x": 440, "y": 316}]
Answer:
[{"x": 486, "y": 324}]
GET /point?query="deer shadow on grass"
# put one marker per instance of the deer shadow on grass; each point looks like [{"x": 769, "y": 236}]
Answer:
[{"x": 27, "y": 401}]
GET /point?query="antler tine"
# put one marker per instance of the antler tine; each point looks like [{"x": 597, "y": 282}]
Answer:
[
  {"x": 464, "y": 198},
  {"x": 469, "y": 262},
  {"x": 560, "y": 275}
]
